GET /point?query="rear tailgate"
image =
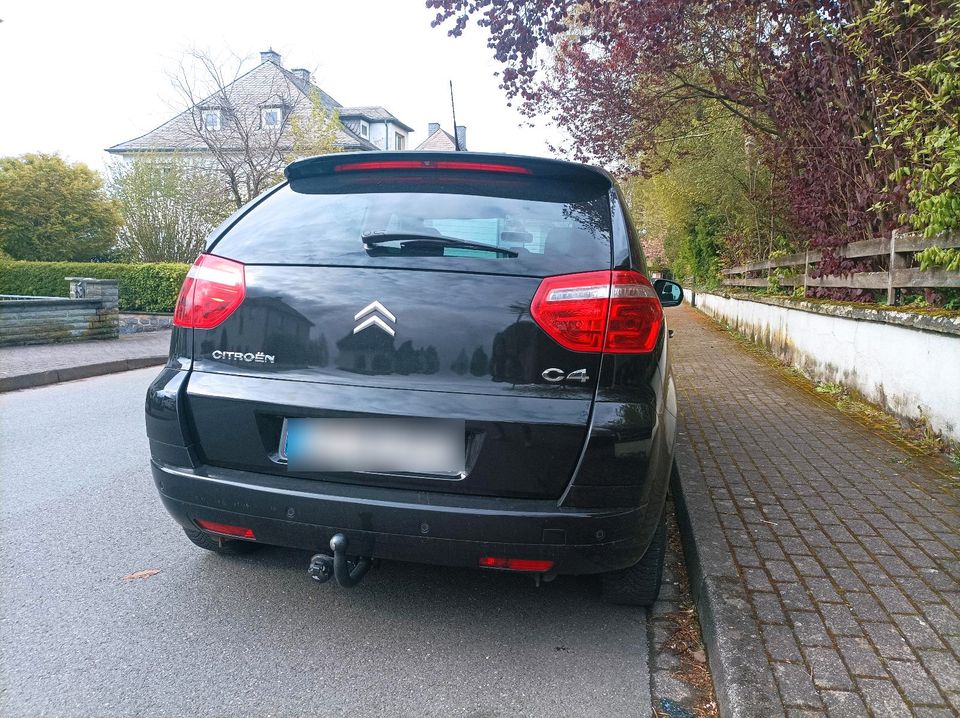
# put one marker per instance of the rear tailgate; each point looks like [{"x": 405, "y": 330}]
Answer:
[{"x": 331, "y": 328}]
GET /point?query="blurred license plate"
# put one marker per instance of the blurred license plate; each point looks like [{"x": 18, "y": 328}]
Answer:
[{"x": 375, "y": 445}]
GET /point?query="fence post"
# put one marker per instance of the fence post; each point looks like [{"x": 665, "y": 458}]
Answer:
[
  {"x": 806, "y": 269},
  {"x": 693, "y": 291},
  {"x": 892, "y": 290}
]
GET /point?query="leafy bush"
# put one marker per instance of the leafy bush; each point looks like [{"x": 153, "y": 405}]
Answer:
[
  {"x": 169, "y": 206},
  {"x": 143, "y": 287},
  {"x": 933, "y": 257}
]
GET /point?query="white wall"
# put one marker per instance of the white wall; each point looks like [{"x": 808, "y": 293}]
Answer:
[
  {"x": 376, "y": 134},
  {"x": 910, "y": 372}
]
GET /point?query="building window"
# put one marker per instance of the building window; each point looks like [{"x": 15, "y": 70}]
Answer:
[
  {"x": 271, "y": 117},
  {"x": 399, "y": 141},
  {"x": 364, "y": 129},
  {"x": 211, "y": 120}
]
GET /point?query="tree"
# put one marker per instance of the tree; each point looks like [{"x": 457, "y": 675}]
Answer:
[
  {"x": 314, "y": 133},
  {"x": 614, "y": 73},
  {"x": 249, "y": 156},
  {"x": 168, "y": 205},
  {"x": 51, "y": 210}
]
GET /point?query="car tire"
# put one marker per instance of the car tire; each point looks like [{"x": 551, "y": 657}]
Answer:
[
  {"x": 639, "y": 585},
  {"x": 222, "y": 546}
]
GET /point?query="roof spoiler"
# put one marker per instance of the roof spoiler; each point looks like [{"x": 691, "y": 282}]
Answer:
[{"x": 412, "y": 161}]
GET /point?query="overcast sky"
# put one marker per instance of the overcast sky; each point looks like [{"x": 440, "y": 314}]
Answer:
[{"x": 77, "y": 77}]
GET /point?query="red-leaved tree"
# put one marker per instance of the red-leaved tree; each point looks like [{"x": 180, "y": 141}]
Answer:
[{"x": 614, "y": 73}]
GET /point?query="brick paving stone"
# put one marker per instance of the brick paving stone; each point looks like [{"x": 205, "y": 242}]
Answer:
[
  {"x": 768, "y": 607},
  {"x": 796, "y": 685},
  {"x": 849, "y": 549},
  {"x": 888, "y": 641},
  {"x": 809, "y": 628},
  {"x": 822, "y": 590},
  {"x": 844, "y": 704},
  {"x": 943, "y": 619},
  {"x": 943, "y": 667},
  {"x": 862, "y": 657},
  {"x": 924, "y": 712},
  {"x": 914, "y": 682},
  {"x": 892, "y": 598},
  {"x": 865, "y": 606},
  {"x": 839, "y": 620},
  {"x": 918, "y": 632},
  {"x": 828, "y": 668},
  {"x": 756, "y": 579},
  {"x": 782, "y": 571},
  {"x": 780, "y": 643},
  {"x": 883, "y": 698}
]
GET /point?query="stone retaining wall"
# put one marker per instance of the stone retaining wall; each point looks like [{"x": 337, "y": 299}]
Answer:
[
  {"x": 90, "y": 313},
  {"x": 906, "y": 363},
  {"x": 136, "y": 322}
]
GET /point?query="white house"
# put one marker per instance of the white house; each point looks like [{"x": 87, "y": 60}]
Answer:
[{"x": 258, "y": 106}]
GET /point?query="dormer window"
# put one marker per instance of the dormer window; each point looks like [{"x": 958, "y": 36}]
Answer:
[
  {"x": 364, "y": 129},
  {"x": 271, "y": 117},
  {"x": 211, "y": 120}
]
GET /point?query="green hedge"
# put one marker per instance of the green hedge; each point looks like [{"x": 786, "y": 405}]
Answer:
[{"x": 143, "y": 287}]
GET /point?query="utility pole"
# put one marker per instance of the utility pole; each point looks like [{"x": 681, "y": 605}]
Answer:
[{"x": 453, "y": 107}]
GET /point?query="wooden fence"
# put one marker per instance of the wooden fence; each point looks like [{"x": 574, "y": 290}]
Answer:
[{"x": 898, "y": 254}]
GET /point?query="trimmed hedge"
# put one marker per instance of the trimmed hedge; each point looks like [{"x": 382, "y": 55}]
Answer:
[{"x": 143, "y": 287}]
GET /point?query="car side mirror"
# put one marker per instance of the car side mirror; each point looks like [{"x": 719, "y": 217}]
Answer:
[{"x": 670, "y": 293}]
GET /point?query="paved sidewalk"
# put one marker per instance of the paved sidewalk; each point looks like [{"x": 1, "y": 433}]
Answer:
[
  {"x": 825, "y": 560},
  {"x": 23, "y": 367}
]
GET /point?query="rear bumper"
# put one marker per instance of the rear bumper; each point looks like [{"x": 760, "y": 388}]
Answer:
[{"x": 406, "y": 525}]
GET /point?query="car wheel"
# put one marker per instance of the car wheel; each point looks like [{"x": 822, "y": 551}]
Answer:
[
  {"x": 222, "y": 546},
  {"x": 639, "y": 585}
]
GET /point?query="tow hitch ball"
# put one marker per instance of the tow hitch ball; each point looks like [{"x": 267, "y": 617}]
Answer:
[{"x": 348, "y": 572}]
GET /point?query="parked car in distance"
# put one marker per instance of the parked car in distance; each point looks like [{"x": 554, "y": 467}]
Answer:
[{"x": 450, "y": 358}]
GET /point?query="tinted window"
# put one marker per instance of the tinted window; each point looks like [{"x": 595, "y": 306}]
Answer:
[{"x": 548, "y": 227}]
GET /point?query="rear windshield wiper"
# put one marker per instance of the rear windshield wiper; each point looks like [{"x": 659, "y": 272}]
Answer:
[{"x": 413, "y": 239}]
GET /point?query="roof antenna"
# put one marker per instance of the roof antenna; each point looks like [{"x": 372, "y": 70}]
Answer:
[{"x": 453, "y": 107}]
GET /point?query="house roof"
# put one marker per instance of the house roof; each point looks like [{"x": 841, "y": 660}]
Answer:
[
  {"x": 440, "y": 140},
  {"x": 265, "y": 84},
  {"x": 373, "y": 114}
]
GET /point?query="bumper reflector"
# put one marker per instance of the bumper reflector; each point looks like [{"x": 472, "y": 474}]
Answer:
[
  {"x": 516, "y": 564},
  {"x": 225, "y": 529}
]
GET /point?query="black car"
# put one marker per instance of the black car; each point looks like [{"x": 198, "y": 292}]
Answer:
[{"x": 449, "y": 358}]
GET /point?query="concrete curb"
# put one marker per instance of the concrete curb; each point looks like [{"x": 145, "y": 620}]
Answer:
[
  {"x": 742, "y": 676},
  {"x": 55, "y": 376}
]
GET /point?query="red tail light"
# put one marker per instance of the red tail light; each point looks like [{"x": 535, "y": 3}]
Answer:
[
  {"x": 213, "y": 289},
  {"x": 616, "y": 312},
  {"x": 225, "y": 529},
  {"x": 431, "y": 165},
  {"x": 516, "y": 564}
]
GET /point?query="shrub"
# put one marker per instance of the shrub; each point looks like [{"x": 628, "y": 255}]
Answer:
[{"x": 143, "y": 287}]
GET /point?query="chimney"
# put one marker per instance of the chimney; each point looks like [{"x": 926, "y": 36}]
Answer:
[
  {"x": 462, "y": 136},
  {"x": 270, "y": 56},
  {"x": 302, "y": 73},
  {"x": 432, "y": 127}
]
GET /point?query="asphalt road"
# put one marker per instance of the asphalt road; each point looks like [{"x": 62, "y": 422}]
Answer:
[{"x": 214, "y": 636}]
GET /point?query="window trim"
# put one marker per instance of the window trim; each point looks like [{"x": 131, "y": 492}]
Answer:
[
  {"x": 263, "y": 117},
  {"x": 208, "y": 112},
  {"x": 399, "y": 141},
  {"x": 365, "y": 129}
]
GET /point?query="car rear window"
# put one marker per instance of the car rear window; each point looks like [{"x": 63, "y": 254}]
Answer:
[{"x": 545, "y": 226}]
